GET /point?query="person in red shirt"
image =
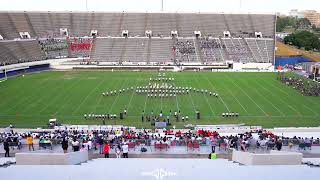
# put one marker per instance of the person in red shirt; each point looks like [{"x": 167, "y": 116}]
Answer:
[{"x": 106, "y": 149}]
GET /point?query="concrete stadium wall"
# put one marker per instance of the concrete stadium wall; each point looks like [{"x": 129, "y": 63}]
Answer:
[
  {"x": 261, "y": 66},
  {"x": 272, "y": 158},
  {"x": 47, "y": 158}
]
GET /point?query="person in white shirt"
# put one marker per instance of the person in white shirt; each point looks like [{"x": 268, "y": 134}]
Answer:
[
  {"x": 118, "y": 151},
  {"x": 125, "y": 150}
]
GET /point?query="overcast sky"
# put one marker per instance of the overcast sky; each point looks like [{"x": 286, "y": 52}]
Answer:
[{"x": 262, "y": 6}]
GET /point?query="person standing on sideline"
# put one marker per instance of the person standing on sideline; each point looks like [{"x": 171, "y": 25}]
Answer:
[
  {"x": 30, "y": 142},
  {"x": 100, "y": 142},
  {"x": 65, "y": 145},
  {"x": 6, "y": 148},
  {"x": 106, "y": 149},
  {"x": 125, "y": 150},
  {"x": 75, "y": 145},
  {"x": 213, "y": 155},
  {"x": 118, "y": 151}
]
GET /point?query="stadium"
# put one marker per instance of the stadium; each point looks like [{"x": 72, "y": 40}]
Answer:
[{"x": 65, "y": 75}]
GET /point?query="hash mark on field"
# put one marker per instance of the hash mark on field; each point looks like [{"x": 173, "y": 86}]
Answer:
[
  {"x": 219, "y": 95},
  {"x": 247, "y": 95},
  {"x": 93, "y": 90}
]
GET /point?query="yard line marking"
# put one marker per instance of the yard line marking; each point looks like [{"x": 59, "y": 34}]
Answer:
[
  {"x": 26, "y": 99},
  {"x": 268, "y": 101},
  {"x": 93, "y": 90},
  {"x": 116, "y": 98},
  {"x": 297, "y": 111},
  {"x": 247, "y": 95},
  {"x": 311, "y": 110},
  {"x": 287, "y": 95},
  {"x": 61, "y": 107},
  {"x": 145, "y": 104},
  {"x": 128, "y": 105},
  {"x": 218, "y": 93},
  {"x": 48, "y": 104},
  {"x": 177, "y": 103},
  {"x": 194, "y": 107},
  {"x": 95, "y": 107},
  {"x": 207, "y": 101},
  {"x": 257, "y": 82},
  {"x": 235, "y": 97},
  {"x": 161, "y": 103}
]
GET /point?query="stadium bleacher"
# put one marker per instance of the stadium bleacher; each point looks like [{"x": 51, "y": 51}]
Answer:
[{"x": 109, "y": 46}]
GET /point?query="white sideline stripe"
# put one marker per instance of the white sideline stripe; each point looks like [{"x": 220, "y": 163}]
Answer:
[
  {"x": 93, "y": 90},
  {"x": 247, "y": 95},
  {"x": 219, "y": 94}
]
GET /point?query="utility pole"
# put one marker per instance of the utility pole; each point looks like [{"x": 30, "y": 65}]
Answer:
[
  {"x": 161, "y": 5},
  {"x": 86, "y": 5}
]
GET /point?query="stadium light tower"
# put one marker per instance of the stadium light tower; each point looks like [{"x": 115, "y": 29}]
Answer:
[{"x": 161, "y": 5}]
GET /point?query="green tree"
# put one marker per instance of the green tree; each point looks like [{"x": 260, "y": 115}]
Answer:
[{"x": 303, "y": 39}]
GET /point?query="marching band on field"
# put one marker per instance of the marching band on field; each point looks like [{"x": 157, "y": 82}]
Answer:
[{"x": 163, "y": 90}]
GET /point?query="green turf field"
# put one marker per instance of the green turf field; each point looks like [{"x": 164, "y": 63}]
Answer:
[{"x": 260, "y": 99}]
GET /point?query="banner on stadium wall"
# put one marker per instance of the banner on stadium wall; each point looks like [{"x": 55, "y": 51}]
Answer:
[{"x": 80, "y": 44}]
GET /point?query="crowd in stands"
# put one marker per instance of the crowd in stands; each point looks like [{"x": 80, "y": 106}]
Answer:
[
  {"x": 185, "y": 47},
  {"x": 305, "y": 86},
  {"x": 53, "y": 44},
  {"x": 6, "y": 61},
  {"x": 208, "y": 47},
  {"x": 121, "y": 140}
]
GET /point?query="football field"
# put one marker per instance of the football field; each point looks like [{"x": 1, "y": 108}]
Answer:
[{"x": 259, "y": 98}]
